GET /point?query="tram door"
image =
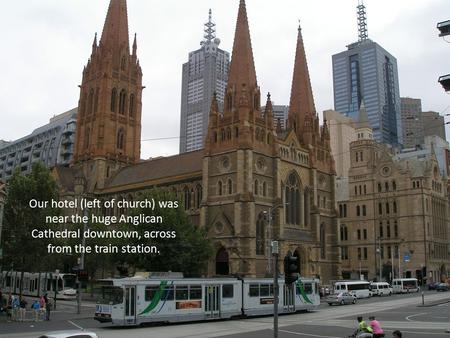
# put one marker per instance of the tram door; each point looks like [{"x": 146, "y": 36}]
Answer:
[
  {"x": 289, "y": 298},
  {"x": 212, "y": 301},
  {"x": 130, "y": 305}
]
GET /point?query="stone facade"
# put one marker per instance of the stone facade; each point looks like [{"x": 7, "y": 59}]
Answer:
[
  {"x": 250, "y": 184},
  {"x": 396, "y": 216}
]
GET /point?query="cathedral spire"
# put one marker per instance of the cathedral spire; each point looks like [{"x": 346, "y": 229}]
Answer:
[
  {"x": 302, "y": 100},
  {"x": 242, "y": 69},
  {"x": 134, "y": 45},
  {"x": 115, "y": 31}
]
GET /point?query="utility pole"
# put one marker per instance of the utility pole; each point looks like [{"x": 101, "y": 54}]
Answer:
[
  {"x": 275, "y": 252},
  {"x": 81, "y": 263}
]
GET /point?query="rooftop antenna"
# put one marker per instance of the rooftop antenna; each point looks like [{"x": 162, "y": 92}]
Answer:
[
  {"x": 210, "y": 29},
  {"x": 362, "y": 21}
]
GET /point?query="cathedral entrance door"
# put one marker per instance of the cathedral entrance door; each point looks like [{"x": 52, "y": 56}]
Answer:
[{"x": 222, "y": 262}]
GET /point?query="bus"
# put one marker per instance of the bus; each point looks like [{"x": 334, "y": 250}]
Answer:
[
  {"x": 135, "y": 301},
  {"x": 405, "y": 285},
  {"x": 39, "y": 283},
  {"x": 361, "y": 289}
]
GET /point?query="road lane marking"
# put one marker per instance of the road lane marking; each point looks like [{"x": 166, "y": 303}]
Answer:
[
  {"x": 425, "y": 333},
  {"x": 418, "y": 314},
  {"x": 77, "y": 326},
  {"x": 306, "y": 334}
]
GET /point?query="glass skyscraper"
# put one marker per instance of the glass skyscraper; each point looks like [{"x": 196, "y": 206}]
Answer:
[
  {"x": 206, "y": 72},
  {"x": 367, "y": 72}
]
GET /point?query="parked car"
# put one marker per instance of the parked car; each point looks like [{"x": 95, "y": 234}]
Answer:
[
  {"x": 442, "y": 287},
  {"x": 70, "y": 334},
  {"x": 341, "y": 298},
  {"x": 432, "y": 286}
]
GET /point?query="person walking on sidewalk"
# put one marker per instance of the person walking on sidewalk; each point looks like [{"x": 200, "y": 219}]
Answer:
[
  {"x": 47, "y": 307},
  {"x": 23, "y": 309},
  {"x": 35, "y": 307},
  {"x": 15, "y": 307}
]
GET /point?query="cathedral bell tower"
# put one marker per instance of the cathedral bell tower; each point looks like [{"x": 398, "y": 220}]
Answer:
[{"x": 109, "y": 109}]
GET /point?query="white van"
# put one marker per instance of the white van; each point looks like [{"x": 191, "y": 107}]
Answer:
[
  {"x": 405, "y": 285},
  {"x": 380, "y": 289}
]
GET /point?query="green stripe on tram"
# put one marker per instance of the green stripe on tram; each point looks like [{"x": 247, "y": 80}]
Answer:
[
  {"x": 156, "y": 298},
  {"x": 301, "y": 289}
]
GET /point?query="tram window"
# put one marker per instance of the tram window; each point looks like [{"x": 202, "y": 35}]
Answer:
[
  {"x": 168, "y": 293},
  {"x": 8, "y": 281},
  {"x": 264, "y": 290},
  {"x": 181, "y": 292},
  {"x": 227, "y": 291},
  {"x": 49, "y": 284},
  {"x": 308, "y": 288},
  {"x": 270, "y": 289},
  {"x": 150, "y": 292},
  {"x": 254, "y": 290},
  {"x": 195, "y": 292}
]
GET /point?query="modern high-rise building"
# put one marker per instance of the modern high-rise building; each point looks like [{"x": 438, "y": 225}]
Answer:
[
  {"x": 366, "y": 71},
  {"x": 52, "y": 144},
  {"x": 434, "y": 124},
  {"x": 204, "y": 74},
  {"x": 412, "y": 123},
  {"x": 280, "y": 114}
]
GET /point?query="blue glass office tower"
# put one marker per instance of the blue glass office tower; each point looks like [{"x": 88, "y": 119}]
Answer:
[{"x": 366, "y": 71}]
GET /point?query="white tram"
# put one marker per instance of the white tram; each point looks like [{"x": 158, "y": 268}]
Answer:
[
  {"x": 134, "y": 301},
  {"x": 38, "y": 283}
]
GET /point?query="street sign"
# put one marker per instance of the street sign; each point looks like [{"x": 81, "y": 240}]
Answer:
[
  {"x": 406, "y": 258},
  {"x": 275, "y": 248}
]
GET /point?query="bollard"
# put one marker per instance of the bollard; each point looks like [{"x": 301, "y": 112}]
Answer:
[{"x": 423, "y": 298}]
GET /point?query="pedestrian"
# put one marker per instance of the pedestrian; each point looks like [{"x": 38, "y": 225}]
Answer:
[
  {"x": 9, "y": 307},
  {"x": 364, "y": 330},
  {"x": 15, "y": 307},
  {"x": 396, "y": 334},
  {"x": 47, "y": 307},
  {"x": 36, "y": 309},
  {"x": 22, "y": 309},
  {"x": 42, "y": 310},
  {"x": 376, "y": 327}
]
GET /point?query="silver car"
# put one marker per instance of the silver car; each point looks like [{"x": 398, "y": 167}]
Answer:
[
  {"x": 70, "y": 334},
  {"x": 341, "y": 298}
]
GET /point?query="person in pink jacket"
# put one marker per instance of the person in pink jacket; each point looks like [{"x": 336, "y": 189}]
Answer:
[{"x": 376, "y": 327}]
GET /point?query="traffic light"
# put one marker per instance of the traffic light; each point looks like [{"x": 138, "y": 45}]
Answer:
[{"x": 291, "y": 264}]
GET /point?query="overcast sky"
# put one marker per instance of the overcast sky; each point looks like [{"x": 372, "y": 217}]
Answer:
[{"x": 46, "y": 43}]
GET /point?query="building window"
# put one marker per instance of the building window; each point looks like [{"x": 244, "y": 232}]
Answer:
[
  {"x": 359, "y": 253},
  {"x": 120, "y": 139},
  {"x": 394, "y": 185},
  {"x": 380, "y": 209},
  {"x": 365, "y": 254},
  {"x": 344, "y": 253},
  {"x": 388, "y": 229},
  {"x": 389, "y": 252},
  {"x": 365, "y": 233},
  {"x": 395, "y": 229},
  {"x": 256, "y": 188},
  {"x": 260, "y": 235},
  {"x": 132, "y": 104},
  {"x": 230, "y": 186},
  {"x": 264, "y": 189},
  {"x": 122, "y": 102},
  {"x": 236, "y": 132},
  {"x": 356, "y": 190},
  {"x": 358, "y": 211},
  {"x": 187, "y": 198},
  {"x": 113, "y": 99},
  {"x": 394, "y": 207},
  {"x": 381, "y": 229},
  {"x": 386, "y": 186},
  {"x": 198, "y": 196},
  {"x": 322, "y": 241},
  {"x": 123, "y": 63},
  {"x": 364, "y": 210},
  {"x": 387, "y": 208},
  {"x": 359, "y": 234},
  {"x": 219, "y": 188},
  {"x": 379, "y": 187},
  {"x": 292, "y": 198},
  {"x": 365, "y": 189}
]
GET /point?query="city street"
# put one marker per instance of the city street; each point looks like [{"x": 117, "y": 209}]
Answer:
[{"x": 402, "y": 312}]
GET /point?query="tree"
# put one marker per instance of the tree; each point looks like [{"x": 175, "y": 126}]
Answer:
[
  {"x": 21, "y": 251},
  {"x": 188, "y": 252}
]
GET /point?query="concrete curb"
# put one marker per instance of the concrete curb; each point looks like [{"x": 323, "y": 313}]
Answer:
[{"x": 439, "y": 302}]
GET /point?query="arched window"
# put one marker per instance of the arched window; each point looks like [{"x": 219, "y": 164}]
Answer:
[
  {"x": 364, "y": 212},
  {"x": 186, "y": 198},
  {"x": 97, "y": 93},
  {"x": 394, "y": 207},
  {"x": 264, "y": 189},
  {"x": 236, "y": 132},
  {"x": 230, "y": 186},
  {"x": 122, "y": 102},
  {"x": 132, "y": 105},
  {"x": 121, "y": 139},
  {"x": 91, "y": 102},
  {"x": 113, "y": 99},
  {"x": 293, "y": 202},
  {"x": 322, "y": 241},
  {"x": 256, "y": 187},
  {"x": 228, "y": 133},
  {"x": 198, "y": 196},
  {"x": 260, "y": 235},
  {"x": 219, "y": 188},
  {"x": 87, "y": 136},
  {"x": 358, "y": 211}
]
